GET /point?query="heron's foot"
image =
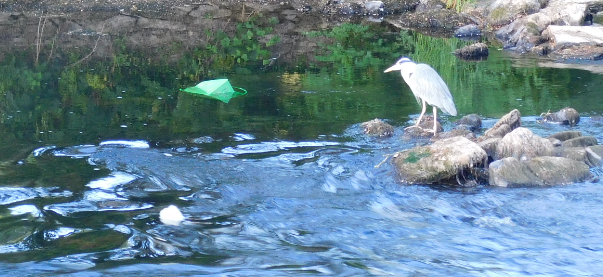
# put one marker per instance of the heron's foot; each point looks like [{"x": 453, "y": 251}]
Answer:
[
  {"x": 418, "y": 131},
  {"x": 413, "y": 127}
]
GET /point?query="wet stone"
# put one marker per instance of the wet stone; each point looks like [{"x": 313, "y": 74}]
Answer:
[
  {"x": 563, "y": 136},
  {"x": 438, "y": 162},
  {"x": 595, "y": 155},
  {"x": 567, "y": 116},
  {"x": 472, "y": 122},
  {"x": 377, "y": 127},
  {"x": 580, "y": 141},
  {"x": 473, "y": 51},
  {"x": 539, "y": 171},
  {"x": 521, "y": 143},
  {"x": 504, "y": 125}
]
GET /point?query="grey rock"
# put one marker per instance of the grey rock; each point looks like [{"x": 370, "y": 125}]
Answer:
[
  {"x": 504, "y": 125},
  {"x": 521, "y": 144},
  {"x": 377, "y": 127},
  {"x": 440, "y": 161},
  {"x": 595, "y": 155},
  {"x": 580, "y": 142},
  {"x": 563, "y": 136},
  {"x": 567, "y": 116},
  {"x": 539, "y": 171}
]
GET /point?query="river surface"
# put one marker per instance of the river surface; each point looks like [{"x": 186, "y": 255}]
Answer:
[{"x": 280, "y": 181}]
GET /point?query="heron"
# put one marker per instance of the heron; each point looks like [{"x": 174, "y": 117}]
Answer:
[{"x": 427, "y": 86}]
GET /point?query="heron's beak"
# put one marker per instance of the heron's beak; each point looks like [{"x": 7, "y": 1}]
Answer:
[{"x": 392, "y": 68}]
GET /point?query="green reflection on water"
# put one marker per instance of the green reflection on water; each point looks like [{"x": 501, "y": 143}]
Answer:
[{"x": 135, "y": 95}]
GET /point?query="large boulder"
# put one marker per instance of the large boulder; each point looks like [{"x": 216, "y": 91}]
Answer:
[
  {"x": 564, "y": 36},
  {"x": 438, "y": 162},
  {"x": 526, "y": 33},
  {"x": 539, "y": 171},
  {"x": 503, "y": 12},
  {"x": 521, "y": 143}
]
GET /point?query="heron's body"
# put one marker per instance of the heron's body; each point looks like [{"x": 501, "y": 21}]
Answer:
[{"x": 427, "y": 86}]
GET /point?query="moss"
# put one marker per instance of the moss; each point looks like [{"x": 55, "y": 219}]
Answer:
[{"x": 498, "y": 14}]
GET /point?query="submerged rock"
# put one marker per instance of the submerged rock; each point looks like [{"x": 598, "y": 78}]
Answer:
[
  {"x": 473, "y": 51},
  {"x": 521, "y": 143},
  {"x": 539, "y": 171},
  {"x": 438, "y": 162},
  {"x": 567, "y": 116},
  {"x": 377, "y": 127},
  {"x": 472, "y": 122}
]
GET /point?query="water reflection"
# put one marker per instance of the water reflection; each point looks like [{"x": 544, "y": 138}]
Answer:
[{"x": 280, "y": 181}]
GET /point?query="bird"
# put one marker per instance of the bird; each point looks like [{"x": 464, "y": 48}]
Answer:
[{"x": 427, "y": 86}]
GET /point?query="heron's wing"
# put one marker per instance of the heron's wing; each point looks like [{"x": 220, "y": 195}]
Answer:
[{"x": 427, "y": 84}]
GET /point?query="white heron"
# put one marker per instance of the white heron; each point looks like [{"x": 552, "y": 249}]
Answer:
[{"x": 427, "y": 86}]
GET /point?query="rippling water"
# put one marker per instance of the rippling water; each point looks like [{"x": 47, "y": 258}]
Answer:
[{"x": 315, "y": 207}]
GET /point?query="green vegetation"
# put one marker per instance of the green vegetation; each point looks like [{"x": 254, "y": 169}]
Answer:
[
  {"x": 135, "y": 94},
  {"x": 457, "y": 4},
  {"x": 360, "y": 51}
]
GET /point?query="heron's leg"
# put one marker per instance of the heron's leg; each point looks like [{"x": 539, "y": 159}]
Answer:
[
  {"x": 435, "y": 120},
  {"x": 422, "y": 112}
]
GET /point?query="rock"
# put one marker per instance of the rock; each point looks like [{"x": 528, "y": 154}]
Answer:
[
  {"x": 456, "y": 133},
  {"x": 563, "y": 136},
  {"x": 567, "y": 116},
  {"x": 203, "y": 11},
  {"x": 430, "y": 19},
  {"x": 521, "y": 144},
  {"x": 426, "y": 5},
  {"x": 374, "y": 7},
  {"x": 470, "y": 30},
  {"x": 473, "y": 51},
  {"x": 525, "y": 33},
  {"x": 595, "y": 155},
  {"x": 377, "y": 127},
  {"x": 425, "y": 128},
  {"x": 504, "y": 125},
  {"x": 539, "y": 171},
  {"x": 471, "y": 122},
  {"x": 149, "y": 23},
  {"x": 438, "y": 162},
  {"x": 360, "y": 7},
  {"x": 563, "y": 36},
  {"x": 503, "y": 12},
  {"x": 580, "y": 142},
  {"x": 573, "y": 153},
  {"x": 579, "y": 52},
  {"x": 489, "y": 146}
]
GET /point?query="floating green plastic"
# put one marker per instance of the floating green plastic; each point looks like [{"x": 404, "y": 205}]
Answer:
[{"x": 219, "y": 89}]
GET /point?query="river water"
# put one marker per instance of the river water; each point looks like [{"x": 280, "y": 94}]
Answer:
[{"x": 280, "y": 181}]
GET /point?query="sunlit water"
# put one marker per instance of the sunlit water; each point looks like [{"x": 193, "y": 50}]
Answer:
[{"x": 285, "y": 183}]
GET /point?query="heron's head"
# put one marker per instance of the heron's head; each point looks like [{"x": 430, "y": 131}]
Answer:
[{"x": 400, "y": 64}]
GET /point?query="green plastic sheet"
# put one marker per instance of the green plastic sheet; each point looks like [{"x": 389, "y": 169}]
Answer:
[{"x": 219, "y": 89}]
